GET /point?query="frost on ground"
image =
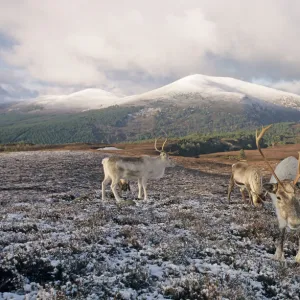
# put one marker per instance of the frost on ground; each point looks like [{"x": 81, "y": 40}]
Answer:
[{"x": 58, "y": 240}]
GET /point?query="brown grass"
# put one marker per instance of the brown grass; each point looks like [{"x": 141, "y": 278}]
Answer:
[{"x": 215, "y": 163}]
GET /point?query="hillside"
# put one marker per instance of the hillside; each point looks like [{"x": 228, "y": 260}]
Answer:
[
  {"x": 92, "y": 126},
  {"x": 117, "y": 124},
  {"x": 194, "y": 104}
]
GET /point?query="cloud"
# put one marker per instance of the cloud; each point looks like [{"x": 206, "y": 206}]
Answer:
[
  {"x": 66, "y": 44},
  {"x": 289, "y": 86},
  {"x": 14, "y": 84}
]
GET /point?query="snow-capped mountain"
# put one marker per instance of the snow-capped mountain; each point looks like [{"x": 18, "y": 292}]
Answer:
[
  {"x": 191, "y": 90},
  {"x": 82, "y": 100},
  {"x": 195, "y": 89}
]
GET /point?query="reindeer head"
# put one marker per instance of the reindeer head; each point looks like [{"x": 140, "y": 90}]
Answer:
[
  {"x": 124, "y": 185},
  {"x": 287, "y": 192},
  {"x": 259, "y": 199},
  {"x": 164, "y": 156}
]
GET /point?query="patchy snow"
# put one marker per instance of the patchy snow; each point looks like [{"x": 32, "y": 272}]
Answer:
[
  {"x": 196, "y": 246},
  {"x": 11, "y": 296},
  {"x": 156, "y": 271},
  {"x": 109, "y": 148},
  {"x": 14, "y": 216}
]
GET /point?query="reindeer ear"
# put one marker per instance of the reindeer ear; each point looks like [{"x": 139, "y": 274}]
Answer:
[
  {"x": 271, "y": 187},
  {"x": 297, "y": 185}
]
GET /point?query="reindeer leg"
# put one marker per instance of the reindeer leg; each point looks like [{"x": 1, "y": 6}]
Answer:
[
  {"x": 104, "y": 183},
  {"x": 279, "y": 254},
  {"x": 254, "y": 199},
  {"x": 249, "y": 194},
  {"x": 297, "y": 258},
  {"x": 242, "y": 190},
  {"x": 128, "y": 186},
  {"x": 257, "y": 201},
  {"x": 140, "y": 188},
  {"x": 144, "y": 183},
  {"x": 114, "y": 185},
  {"x": 230, "y": 187}
]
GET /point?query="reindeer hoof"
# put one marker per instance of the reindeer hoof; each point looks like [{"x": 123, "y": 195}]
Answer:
[{"x": 279, "y": 255}]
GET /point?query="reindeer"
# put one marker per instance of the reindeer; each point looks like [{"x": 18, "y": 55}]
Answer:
[
  {"x": 284, "y": 190},
  {"x": 137, "y": 168},
  {"x": 248, "y": 178}
]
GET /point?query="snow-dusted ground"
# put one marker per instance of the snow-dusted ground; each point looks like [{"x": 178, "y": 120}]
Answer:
[
  {"x": 108, "y": 148},
  {"x": 58, "y": 239}
]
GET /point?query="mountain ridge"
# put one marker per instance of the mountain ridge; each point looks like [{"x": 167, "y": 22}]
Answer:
[
  {"x": 194, "y": 89},
  {"x": 219, "y": 89}
]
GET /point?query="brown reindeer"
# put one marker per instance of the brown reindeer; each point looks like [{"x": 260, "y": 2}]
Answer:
[{"x": 247, "y": 178}]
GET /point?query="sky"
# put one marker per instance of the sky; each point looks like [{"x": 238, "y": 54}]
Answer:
[{"x": 129, "y": 47}]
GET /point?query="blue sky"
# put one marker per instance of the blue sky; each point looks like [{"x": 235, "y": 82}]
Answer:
[{"x": 52, "y": 47}]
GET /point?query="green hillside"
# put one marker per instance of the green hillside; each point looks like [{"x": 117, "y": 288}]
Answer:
[
  {"x": 87, "y": 127},
  {"x": 118, "y": 123}
]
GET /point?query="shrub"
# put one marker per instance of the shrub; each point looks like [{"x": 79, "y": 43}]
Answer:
[{"x": 242, "y": 154}]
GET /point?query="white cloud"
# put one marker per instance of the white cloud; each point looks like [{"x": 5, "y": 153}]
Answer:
[
  {"x": 77, "y": 43},
  {"x": 289, "y": 86}
]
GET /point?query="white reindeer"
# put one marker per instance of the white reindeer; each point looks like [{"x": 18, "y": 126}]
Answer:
[
  {"x": 248, "y": 178},
  {"x": 137, "y": 168},
  {"x": 284, "y": 190}
]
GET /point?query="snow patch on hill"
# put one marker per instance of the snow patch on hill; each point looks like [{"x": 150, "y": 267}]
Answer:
[
  {"x": 81, "y": 100},
  {"x": 219, "y": 88}
]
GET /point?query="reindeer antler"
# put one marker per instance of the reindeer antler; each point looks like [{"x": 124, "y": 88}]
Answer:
[
  {"x": 258, "y": 138},
  {"x": 162, "y": 148},
  {"x": 155, "y": 144},
  {"x": 298, "y": 173}
]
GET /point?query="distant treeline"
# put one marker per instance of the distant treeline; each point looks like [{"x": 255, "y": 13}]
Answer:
[{"x": 195, "y": 144}]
